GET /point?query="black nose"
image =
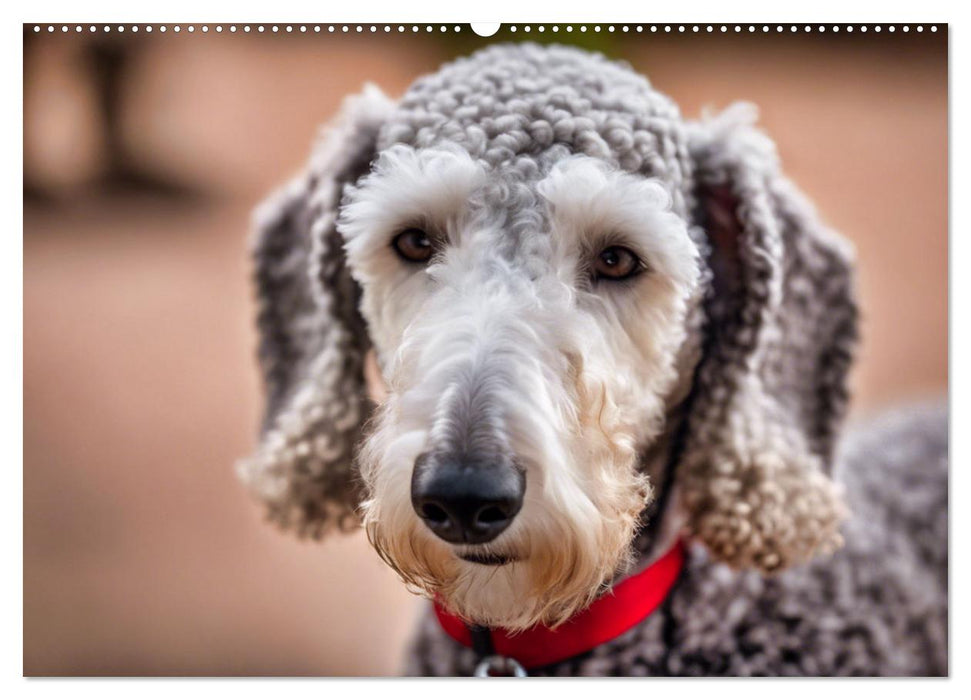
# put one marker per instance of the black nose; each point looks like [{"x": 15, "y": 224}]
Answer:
[{"x": 466, "y": 501}]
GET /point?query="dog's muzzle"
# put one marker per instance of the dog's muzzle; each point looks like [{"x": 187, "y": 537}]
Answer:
[{"x": 464, "y": 500}]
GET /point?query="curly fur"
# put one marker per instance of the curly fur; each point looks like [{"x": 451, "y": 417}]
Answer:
[
  {"x": 704, "y": 398},
  {"x": 754, "y": 483}
]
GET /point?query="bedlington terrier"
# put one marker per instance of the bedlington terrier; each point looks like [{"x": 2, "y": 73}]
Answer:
[{"x": 615, "y": 344}]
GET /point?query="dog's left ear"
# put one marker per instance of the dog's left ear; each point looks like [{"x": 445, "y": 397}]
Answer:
[
  {"x": 770, "y": 391},
  {"x": 313, "y": 339}
]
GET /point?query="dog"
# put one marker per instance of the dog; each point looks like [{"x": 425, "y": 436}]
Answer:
[{"x": 615, "y": 344}]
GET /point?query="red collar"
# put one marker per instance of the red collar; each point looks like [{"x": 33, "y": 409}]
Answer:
[{"x": 629, "y": 602}]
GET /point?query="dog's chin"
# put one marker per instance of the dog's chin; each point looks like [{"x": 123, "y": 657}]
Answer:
[
  {"x": 503, "y": 591},
  {"x": 506, "y": 587}
]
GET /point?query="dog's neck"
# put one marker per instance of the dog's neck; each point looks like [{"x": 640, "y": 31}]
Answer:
[{"x": 662, "y": 521}]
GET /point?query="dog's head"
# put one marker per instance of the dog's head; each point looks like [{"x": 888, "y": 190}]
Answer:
[{"x": 572, "y": 295}]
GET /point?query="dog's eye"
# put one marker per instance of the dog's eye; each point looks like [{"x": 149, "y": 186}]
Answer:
[
  {"x": 616, "y": 263},
  {"x": 413, "y": 245}
]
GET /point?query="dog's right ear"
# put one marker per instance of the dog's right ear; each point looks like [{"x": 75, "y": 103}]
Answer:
[{"x": 312, "y": 338}]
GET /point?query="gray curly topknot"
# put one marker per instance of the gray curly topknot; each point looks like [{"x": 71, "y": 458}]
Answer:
[{"x": 533, "y": 106}]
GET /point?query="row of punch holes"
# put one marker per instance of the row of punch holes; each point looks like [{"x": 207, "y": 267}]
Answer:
[{"x": 428, "y": 28}]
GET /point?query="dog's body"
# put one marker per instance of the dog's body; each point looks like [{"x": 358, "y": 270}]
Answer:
[{"x": 602, "y": 328}]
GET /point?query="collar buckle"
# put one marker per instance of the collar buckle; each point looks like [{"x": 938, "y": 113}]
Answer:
[{"x": 496, "y": 665}]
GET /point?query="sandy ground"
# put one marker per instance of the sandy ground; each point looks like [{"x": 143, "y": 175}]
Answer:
[{"x": 142, "y": 554}]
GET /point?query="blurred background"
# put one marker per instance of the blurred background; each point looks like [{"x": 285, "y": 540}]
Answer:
[{"x": 143, "y": 157}]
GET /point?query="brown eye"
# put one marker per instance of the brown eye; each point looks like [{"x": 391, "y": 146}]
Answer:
[
  {"x": 413, "y": 245},
  {"x": 616, "y": 263}
]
